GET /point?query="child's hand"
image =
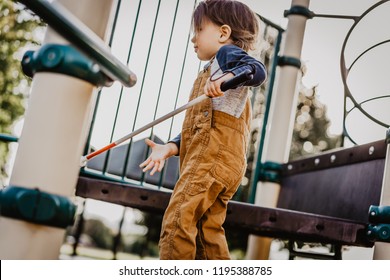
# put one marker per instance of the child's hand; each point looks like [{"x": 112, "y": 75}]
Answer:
[
  {"x": 159, "y": 154},
  {"x": 213, "y": 88}
]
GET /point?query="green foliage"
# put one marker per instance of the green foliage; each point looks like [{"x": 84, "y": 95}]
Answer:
[
  {"x": 310, "y": 134},
  {"x": 17, "y": 30},
  {"x": 148, "y": 245}
]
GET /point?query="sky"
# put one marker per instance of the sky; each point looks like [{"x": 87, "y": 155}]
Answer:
[{"x": 321, "y": 53}]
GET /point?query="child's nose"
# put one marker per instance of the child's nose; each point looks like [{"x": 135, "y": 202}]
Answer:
[{"x": 193, "y": 38}]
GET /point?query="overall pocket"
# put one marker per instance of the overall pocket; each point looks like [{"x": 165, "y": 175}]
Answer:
[
  {"x": 200, "y": 184},
  {"x": 229, "y": 166}
]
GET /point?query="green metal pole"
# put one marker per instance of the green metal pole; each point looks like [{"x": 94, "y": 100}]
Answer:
[
  {"x": 256, "y": 172},
  {"x": 281, "y": 119}
]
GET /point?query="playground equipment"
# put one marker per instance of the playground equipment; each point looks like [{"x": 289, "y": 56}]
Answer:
[{"x": 349, "y": 184}]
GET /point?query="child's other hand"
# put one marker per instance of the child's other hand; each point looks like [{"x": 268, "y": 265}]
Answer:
[
  {"x": 160, "y": 153},
  {"x": 213, "y": 88}
]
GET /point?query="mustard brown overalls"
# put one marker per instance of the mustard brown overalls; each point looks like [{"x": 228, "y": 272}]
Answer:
[{"x": 212, "y": 165}]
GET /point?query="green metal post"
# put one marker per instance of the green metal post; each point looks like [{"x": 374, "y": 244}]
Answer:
[{"x": 279, "y": 129}]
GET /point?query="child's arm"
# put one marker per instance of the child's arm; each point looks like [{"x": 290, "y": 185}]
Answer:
[
  {"x": 159, "y": 154},
  {"x": 231, "y": 61}
]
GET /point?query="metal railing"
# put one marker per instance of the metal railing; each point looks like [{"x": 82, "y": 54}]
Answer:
[{"x": 74, "y": 30}]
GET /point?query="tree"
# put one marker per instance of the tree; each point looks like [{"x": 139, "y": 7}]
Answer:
[
  {"x": 18, "y": 29},
  {"x": 145, "y": 245},
  {"x": 310, "y": 135},
  {"x": 101, "y": 235}
]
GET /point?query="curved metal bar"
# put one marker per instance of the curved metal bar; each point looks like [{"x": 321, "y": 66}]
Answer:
[
  {"x": 359, "y": 107},
  {"x": 270, "y": 23},
  {"x": 366, "y": 51},
  {"x": 72, "y": 29},
  {"x": 361, "y": 110},
  {"x": 369, "y": 100},
  {"x": 349, "y": 94},
  {"x": 344, "y": 70}
]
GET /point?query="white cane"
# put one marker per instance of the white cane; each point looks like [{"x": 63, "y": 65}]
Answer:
[{"x": 232, "y": 83}]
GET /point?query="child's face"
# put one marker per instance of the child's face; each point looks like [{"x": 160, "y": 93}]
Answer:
[{"x": 206, "y": 40}]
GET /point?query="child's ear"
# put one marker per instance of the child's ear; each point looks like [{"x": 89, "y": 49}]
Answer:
[{"x": 226, "y": 31}]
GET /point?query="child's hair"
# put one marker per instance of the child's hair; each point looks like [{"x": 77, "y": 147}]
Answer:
[{"x": 241, "y": 19}]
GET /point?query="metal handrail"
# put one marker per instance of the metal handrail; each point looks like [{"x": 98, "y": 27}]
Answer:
[
  {"x": 76, "y": 32},
  {"x": 8, "y": 138}
]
